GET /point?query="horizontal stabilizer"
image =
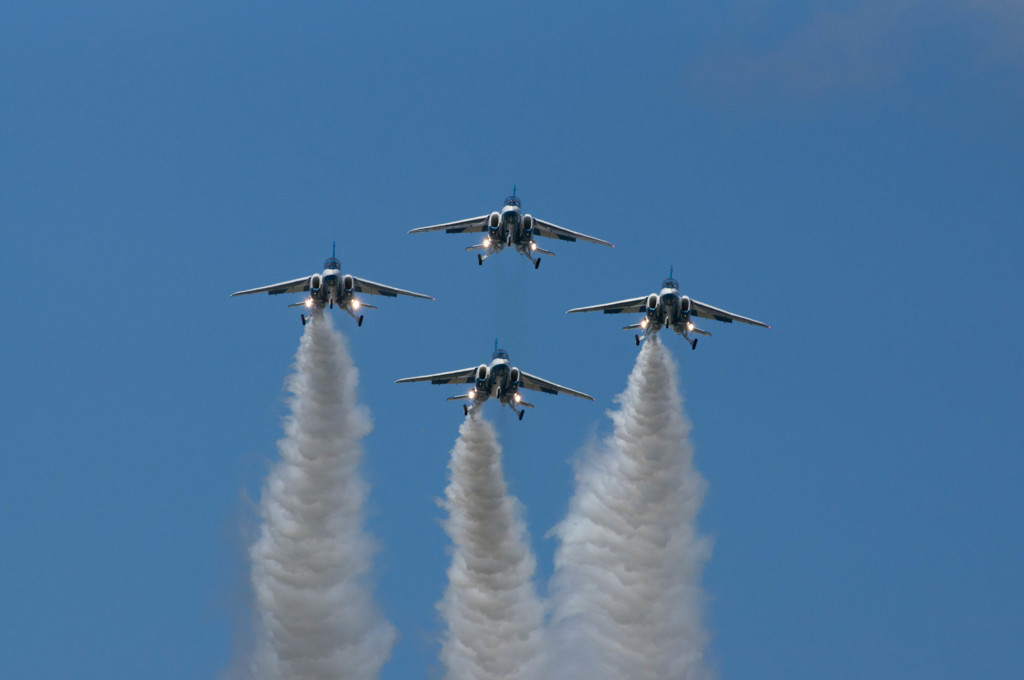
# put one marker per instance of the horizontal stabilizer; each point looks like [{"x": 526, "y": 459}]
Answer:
[{"x": 699, "y": 331}]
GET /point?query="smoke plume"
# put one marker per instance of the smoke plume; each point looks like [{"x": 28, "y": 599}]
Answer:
[
  {"x": 494, "y": 616},
  {"x": 627, "y": 602},
  {"x": 310, "y": 564}
]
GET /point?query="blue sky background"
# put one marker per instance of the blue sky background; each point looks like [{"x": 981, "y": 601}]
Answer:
[{"x": 849, "y": 172}]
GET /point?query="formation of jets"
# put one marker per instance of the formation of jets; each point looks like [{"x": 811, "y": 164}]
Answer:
[{"x": 499, "y": 379}]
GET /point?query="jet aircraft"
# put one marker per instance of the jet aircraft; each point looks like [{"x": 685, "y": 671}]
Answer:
[
  {"x": 668, "y": 309},
  {"x": 499, "y": 379},
  {"x": 332, "y": 288},
  {"x": 511, "y": 228}
]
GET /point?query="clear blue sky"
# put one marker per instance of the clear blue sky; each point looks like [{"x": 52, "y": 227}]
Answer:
[{"x": 849, "y": 172}]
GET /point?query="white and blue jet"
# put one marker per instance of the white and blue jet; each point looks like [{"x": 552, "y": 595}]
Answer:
[
  {"x": 499, "y": 379},
  {"x": 332, "y": 288},
  {"x": 668, "y": 309},
  {"x": 511, "y": 228}
]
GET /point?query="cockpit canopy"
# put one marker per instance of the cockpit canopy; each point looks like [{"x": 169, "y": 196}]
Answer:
[
  {"x": 500, "y": 354},
  {"x": 670, "y": 283},
  {"x": 513, "y": 200},
  {"x": 332, "y": 263}
]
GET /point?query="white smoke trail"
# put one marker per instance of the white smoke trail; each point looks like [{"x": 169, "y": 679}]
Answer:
[
  {"x": 627, "y": 601},
  {"x": 495, "y": 619},
  {"x": 317, "y": 619}
]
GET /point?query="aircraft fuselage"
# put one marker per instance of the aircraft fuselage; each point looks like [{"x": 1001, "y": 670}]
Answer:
[
  {"x": 669, "y": 310},
  {"x": 331, "y": 290},
  {"x": 495, "y": 380},
  {"x": 512, "y": 229}
]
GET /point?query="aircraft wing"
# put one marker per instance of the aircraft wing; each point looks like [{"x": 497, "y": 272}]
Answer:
[
  {"x": 473, "y": 224},
  {"x": 463, "y": 375},
  {"x": 708, "y": 312},
  {"x": 371, "y": 288},
  {"x": 293, "y": 286},
  {"x": 542, "y": 228},
  {"x": 631, "y": 306},
  {"x": 532, "y": 382}
]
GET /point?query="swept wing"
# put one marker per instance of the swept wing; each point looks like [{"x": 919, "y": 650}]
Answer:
[
  {"x": 532, "y": 382},
  {"x": 708, "y": 312},
  {"x": 371, "y": 288},
  {"x": 473, "y": 224},
  {"x": 293, "y": 286},
  {"x": 630, "y": 306},
  {"x": 463, "y": 375},
  {"x": 545, "y": 228}
]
